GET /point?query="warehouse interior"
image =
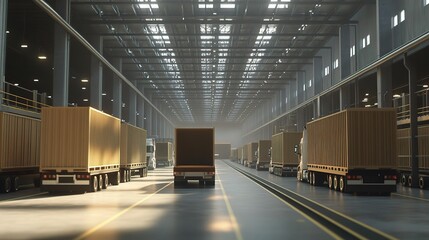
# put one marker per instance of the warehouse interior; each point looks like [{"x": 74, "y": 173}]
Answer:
[{"x": 250, "y": 69}]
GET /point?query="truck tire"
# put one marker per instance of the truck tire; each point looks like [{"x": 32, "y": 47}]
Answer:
[
  {"x": 141, "y": 172},
  {"x": 403, "y": 179},
  {"x": 423, "y": 182},
  {"x": 105, "y": 181},
  {"x": 342, "y": 184},
  {"x": 94, "y": 184},
  {"x": 330, "y": 181},
  {"x": 335, "y": 187},
  {"x": 410, "y": 181},
  {"x": 5, "y": 184},
  {"x": 100, "y": 182},
  {"x": 15, "y": 184}
]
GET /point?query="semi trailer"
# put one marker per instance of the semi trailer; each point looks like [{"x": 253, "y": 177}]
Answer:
[
  {"x": 283, "y": 160},
  {"x": 352, "y": 151},
  {"x": 404, "y": 158},
  {"x": 251, "y": 149},
  {"x": 151, "y": 153},
  {"x": 194, "y": 155},
  {"x": 222, "y": 150},
  {"x": 263, "y": 155},
  {"x": 133, "y": 152},
  {"x": 164, "y": 154},
  {"x": 234, "y": 154},
  {"x": 79, "y": 149},
  {"x": 19, "y": 153}
]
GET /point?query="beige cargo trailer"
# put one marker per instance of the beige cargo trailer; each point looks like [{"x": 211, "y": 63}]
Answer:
[
  {"x": 244, "y": 153},
  {"x": 19, "y": 153},
  {"x": 353, "y": 150},
  {"x": 251, "y": 149},
  {"x": 284, "y": 161},
  {"x": 404, "y": 155},
  {"x": 194, "y": 155},
  {"x": 164, "y": 154},
  {"x": 133, "y": 152},
  {"x": 234, "y": 154},
  {"x": 263, "y": 160},
  {"x": 222, "y": 150},
  {"x": 80, "y": 149},
  {"x": 239, "y": 154}
]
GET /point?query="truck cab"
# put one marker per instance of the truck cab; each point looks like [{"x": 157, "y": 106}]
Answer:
[
  {"x": 150, "y": 153},
  {"x": 301, "y": 151}
]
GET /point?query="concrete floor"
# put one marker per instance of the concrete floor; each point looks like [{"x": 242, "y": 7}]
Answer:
[{"x": 236, "y": 208}]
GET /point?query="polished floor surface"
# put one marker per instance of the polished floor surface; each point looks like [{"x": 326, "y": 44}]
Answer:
[{"x": 236, "y": 208}]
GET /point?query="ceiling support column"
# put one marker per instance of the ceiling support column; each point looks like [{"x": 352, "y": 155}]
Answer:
[
  {"x": 384, "y": 85},
  {"x": 96, "y": 79},
  {"x": 3, "y": 36},
  {"x": 132, "y": 110},
  {"x": 61, "y": 56},
  {"x": 117, "y": 89}
]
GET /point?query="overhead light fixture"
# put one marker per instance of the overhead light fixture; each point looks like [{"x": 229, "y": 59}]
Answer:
[
  {"x": 425, "y": 86},
  {"x": 84, "y": 80},
  {"x": 396, "y": 96},
  {"x": 16, "y": 84},
  {"x": 42, "y": 57},
  {"x": 85, "y": 99},
  {"x": 83, "y": 88},
  {"x": 36, "y": 80},
  {"x": 49, "y": 96},
  {"x": 365, "y": 100},
  {"x": 24, "y": 46},
  {"x": 7, "y": 31},
  {"x": 366, "y": 94},
  {"x": 104, "y": 94}
]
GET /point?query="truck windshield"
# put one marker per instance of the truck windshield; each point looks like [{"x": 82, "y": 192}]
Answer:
[{"x": 149, "y": 149}]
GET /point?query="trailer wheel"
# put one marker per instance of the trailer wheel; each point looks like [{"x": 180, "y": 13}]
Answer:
[
  {"x": 105, "y": 181},
  {"x": 100, "y": 182},
  {"x": 335, "y": 183},
  {"x": 342, "y": 184},
  {"x": 94, "y": 184},
  {"x": 403, "y": 179},
  {"x": 423, "y": 182},
  {"x": 410, "y": 181},
  {"x": 141, "y": 172},
  {"x": 5, "y": 184},
  {"x": 15, "y": 184},
  {"x": 330, "y": 181}
]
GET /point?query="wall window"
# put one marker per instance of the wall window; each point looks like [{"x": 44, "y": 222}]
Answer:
[
  {"x": 327, "y": 71},
  {"x": 336, "y": 63},
  {"x": 366, "y": 41},
  {"x": 353, "y": 51},
  {"x": 395, "y": 21},
  {"x": 425, "y": 2},
  {"x": 303, "y": 87},
  {"x": 402, "y": 15},
  {"x": 309, "y": 83}
]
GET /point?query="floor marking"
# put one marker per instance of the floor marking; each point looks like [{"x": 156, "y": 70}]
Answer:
[
  {"x": 234, "y": 222},
  {"x": 411, "y": 197},
  {"x": 22, "y": 197},
  {"x": 334, "y": 211},
  {"x": 114, "y": 217}
]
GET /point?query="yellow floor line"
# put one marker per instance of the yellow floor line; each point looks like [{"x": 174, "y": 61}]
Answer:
[
  {"x": 234, "y": 221},
  {"x": 411, "y": 197},
  {"x": 114, "y": 217}
]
